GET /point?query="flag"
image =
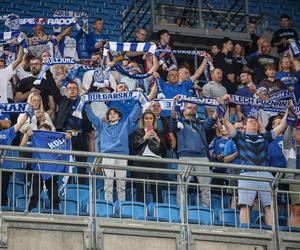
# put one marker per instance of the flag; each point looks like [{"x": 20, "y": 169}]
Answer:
[{"x": 50, "y": 140}]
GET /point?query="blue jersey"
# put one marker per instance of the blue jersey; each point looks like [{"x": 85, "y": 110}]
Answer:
[
  {"x": 287, "y": 78},
  {"x": 276, "y": 157},
  {"x": 171, "y": 90},
  {"x": 6, "y": 138},
  {"x": 253, "y": 148},
  {"x": 229, "y": 149},
  {"x": 216, "y": 147}
]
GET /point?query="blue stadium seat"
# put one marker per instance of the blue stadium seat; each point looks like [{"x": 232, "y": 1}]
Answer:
[
  {"x": 164, "y": 212},
  {"x": 69, "y": 207},
  {"x": 255, "y": 226},
  {"x": 103, "y": 208},
  {"x": 229, "y": 217},
  {"x": 77, "y": 193},
  {"x": 46, "y": 211},
  {"x": 21, "y": 201},
  {"x": 15, "y": 189},
  {"x": 131, "y": 194},
  {"x": 130, "y": 209},
  {"x": 200, "y": 215},
  {"x": 216, "y": 201},
  {"x": 254, "y": 214},
  {"x": 169, "y": 197},
  {"x": 289, "y": 229},
  {"x": 45, "y": 200},
  {"x": 10, "y": 209},
  {"x": 194, "y": 200}
]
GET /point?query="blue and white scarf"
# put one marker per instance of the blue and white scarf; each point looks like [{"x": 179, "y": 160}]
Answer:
[
  {"x": 20, "y": 107},
  {"x": 107, "y": 97},
  {"x": 14, "y": 22},
  {"x": 124, "y": 47},
  {"x": 81, "y": 17},
  {"x": 53, "y": 61},
  {"x": 294, "y": 47},
  {"x": 9, "y": 36}
]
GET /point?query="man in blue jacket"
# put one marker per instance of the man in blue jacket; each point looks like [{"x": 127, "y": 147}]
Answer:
[
  {"x": 114, "y": 140},
  {"x": 192, "y": 144},
  {"x": 95, "y": 40}
]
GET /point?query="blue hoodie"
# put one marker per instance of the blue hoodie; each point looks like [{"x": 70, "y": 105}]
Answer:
[
  {"x": 192, "y": 142},
  {"x": 114, "y": 138}
]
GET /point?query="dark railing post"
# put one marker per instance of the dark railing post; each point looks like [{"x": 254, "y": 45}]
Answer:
[{"x": 275, "y": 224}]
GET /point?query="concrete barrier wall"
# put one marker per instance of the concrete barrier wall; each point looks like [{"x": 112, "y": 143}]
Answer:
[
  {"x": 124, "y": 242},
  {"x": 46, "y": 232},
  {"x": 44, "y": 240}
]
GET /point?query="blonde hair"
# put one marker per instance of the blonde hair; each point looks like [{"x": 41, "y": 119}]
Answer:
[
  {"x": 33, "y": 94},
  {"x": 292, "y": 67}
]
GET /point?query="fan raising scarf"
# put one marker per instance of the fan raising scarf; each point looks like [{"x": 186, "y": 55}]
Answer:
[
  {"x": 81, "y": 16},
  {"x": 208, "y": 67},
  {"x": 107, "y": 97},
  {"x": 9, "y": 36},
  {"x": 14, "y": 22},
  {"x": 53, "y": 61},
  {"x": 124, "y": 47},
  {"x": 294, "y": 47}
]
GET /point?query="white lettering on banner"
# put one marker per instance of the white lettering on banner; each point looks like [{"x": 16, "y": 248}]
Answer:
[
  {"x": 47, "y": 21},
  {"x": 60, "y": 21},
  {"x": 109, "y": 96},
  {"x": 55, "y": 60},
  {"x": 24, "y": 21},
  {"x": 14, "y": 107},
  {"x": 58, "y": 143}
]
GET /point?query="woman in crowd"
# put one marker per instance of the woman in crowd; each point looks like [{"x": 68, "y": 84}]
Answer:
[
  {"x": 40, "y": 116},
  {"x": 289, "y": 74},
  {"x": 148, "y": 141}
]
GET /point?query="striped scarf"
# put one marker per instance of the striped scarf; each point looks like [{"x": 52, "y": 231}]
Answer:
[
  {"x": 53, "y": 61},
  {"x": 124, "y": 47},
  {"x": 9, "y": 36}
]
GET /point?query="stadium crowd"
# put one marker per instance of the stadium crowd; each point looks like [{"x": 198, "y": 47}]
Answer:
[{"x": 239, "y": 135}]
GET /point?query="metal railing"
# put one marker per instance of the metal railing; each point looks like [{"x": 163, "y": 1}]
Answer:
[
  {"x": 200, "y": 17},
  {"x": 172, "y": 201}
]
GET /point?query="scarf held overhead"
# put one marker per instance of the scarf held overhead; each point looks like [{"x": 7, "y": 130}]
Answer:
[{"x": 106, "y": 97}]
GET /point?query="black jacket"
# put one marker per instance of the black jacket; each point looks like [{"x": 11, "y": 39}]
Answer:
[
  {"x": 64, "y": 109},
  {"x": 137, "y": 144}
]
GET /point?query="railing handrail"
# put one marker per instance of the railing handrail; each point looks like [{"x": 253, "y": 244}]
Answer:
[{"x": 149, "y": 159}]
